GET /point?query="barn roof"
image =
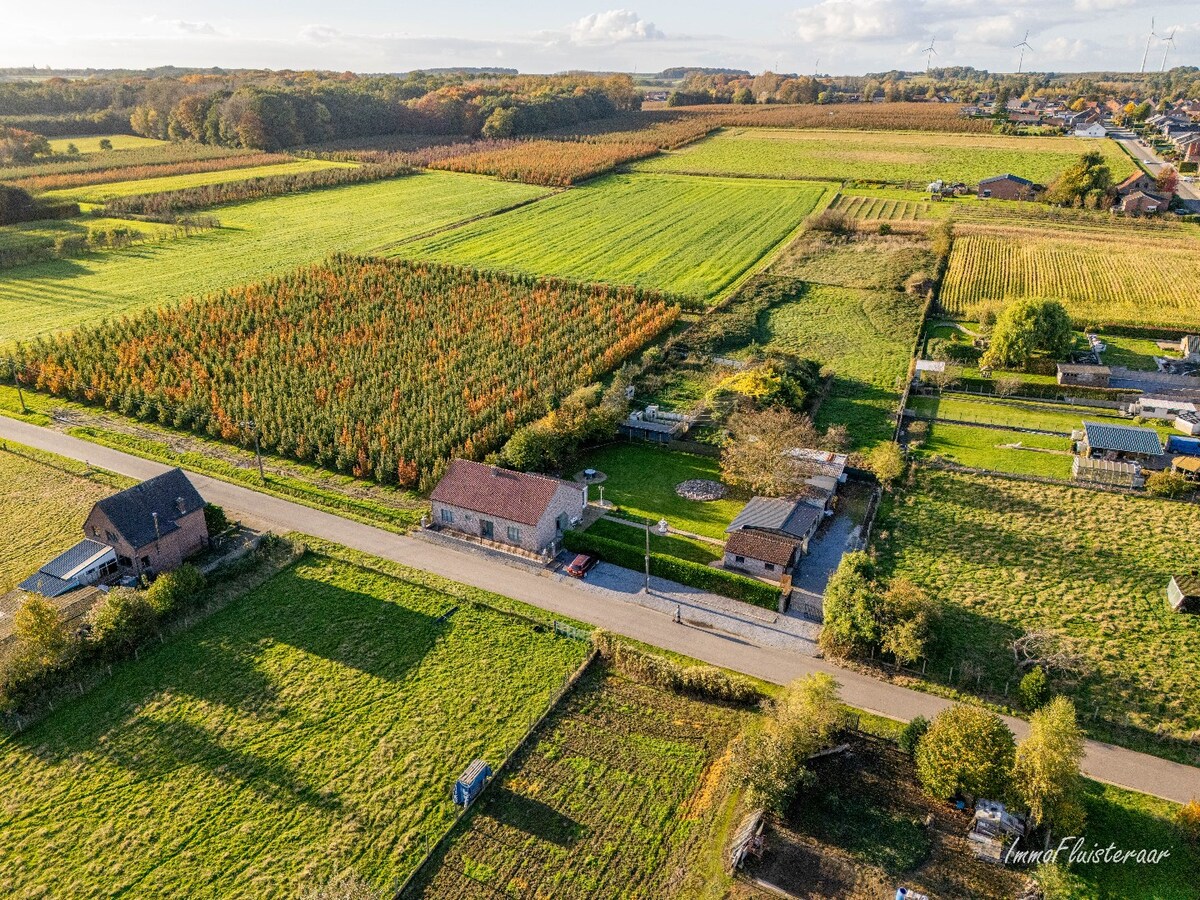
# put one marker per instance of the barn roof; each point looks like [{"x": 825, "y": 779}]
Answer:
[
  {"x": 1123, "y": 438},
  {"x": 503, "y": 493},
  {"x": 1007, "y": 177},
  {"x": 773, "y": 514},
  {"x": 1188, "y": 585}
]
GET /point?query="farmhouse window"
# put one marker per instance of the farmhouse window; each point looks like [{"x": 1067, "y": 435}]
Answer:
[
  {"x": 739, "y": 559},
  {"x": 145, "y": 562},
  {"x": 447, "y": 516},
  {"x": 112, "y": 538},
  {"x": 514, "y": 534},
  {"x": 108, "y": 568},
  {"x": 770, "y": 567}
]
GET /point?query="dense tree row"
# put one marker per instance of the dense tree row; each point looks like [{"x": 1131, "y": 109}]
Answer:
[
  {"x": 272, "y": 110},
  {"x": 166, "y": 205},
  {"x": 550, "y": 163},
  {"x": 380, "y": 368},
  {"x": 17, "y": 205},
  {"x": 19, "y": 146}
]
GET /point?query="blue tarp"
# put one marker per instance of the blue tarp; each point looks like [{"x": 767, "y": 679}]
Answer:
[{"x": 1188, "y": 446}]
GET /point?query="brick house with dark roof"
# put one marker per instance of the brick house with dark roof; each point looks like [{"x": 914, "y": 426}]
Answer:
[
  {"x": 1007, "y": 187},
  {"x": 153, "y": 526},
  {"x": 514, "y": 508}
]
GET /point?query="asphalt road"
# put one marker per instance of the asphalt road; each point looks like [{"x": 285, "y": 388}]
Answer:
[
  {"x": 562, "y": 595},
  {"x": 1189, "y": 193}
]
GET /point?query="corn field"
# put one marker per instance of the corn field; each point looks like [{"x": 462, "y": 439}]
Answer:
[{"x": 1104, "y": 277}]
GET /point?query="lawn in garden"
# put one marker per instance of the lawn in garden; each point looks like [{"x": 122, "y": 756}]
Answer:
[
  {"x": 668, "y": 545},
  {"x": 44, "y": 500},
  {"x": 256, "y": 239},
  {"x": 889, "y": 156},
  {"x": 998, "y": 450},
  {"x": 1090, "y": 568},
  {"x": 311, "y": 729},
  {"x": 1057, "y": 418},
  {"x": 688, "y": 236},
  {"x": 642, "y": 480},
  {"x": 617, "y": 797}
]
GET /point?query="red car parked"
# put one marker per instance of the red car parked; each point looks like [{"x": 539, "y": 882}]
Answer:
[{"x": 581, "y": 565}]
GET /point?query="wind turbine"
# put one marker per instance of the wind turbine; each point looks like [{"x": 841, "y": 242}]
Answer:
[
  {"x": 1023, "y": 46},
  {"x": 1170, "y": 42},
  {"x": 1151, "y": 36},
  {"x": 930, "y": 53}
]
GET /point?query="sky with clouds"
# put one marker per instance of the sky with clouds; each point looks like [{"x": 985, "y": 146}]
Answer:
[{"x": 834, "y": 36}]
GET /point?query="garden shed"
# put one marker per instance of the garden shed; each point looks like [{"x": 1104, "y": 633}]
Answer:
[
  {"x": 1183, "y": 592},
  {"x": 471, "y": 782}
]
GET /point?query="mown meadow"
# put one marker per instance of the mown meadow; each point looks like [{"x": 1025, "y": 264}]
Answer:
[
  {"x": 255, "y": 239},
  {"x": 1090, "y": 568},
  {"x": 883, "y": 156},
  {"x": 614, "y": 798},
  {"x": 45, "y": 500},
  {"x": 687, "y": 236},
  {"x": 311, "y": 729}
]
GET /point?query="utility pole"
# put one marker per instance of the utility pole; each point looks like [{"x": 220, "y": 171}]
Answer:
[
  {"x": 17, "y": 384},
  {"x": 258, "y": 449}
]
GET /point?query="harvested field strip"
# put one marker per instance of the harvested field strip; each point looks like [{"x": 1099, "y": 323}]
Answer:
[
  {"x": 880, "y": 209},
  {"x": 62, "y": 182},
  {"x": 1105, "y": 277},
  {"x": 99, "y": 193}
]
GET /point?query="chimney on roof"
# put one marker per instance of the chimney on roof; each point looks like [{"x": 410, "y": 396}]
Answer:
[{"x": 157, "y": 533}]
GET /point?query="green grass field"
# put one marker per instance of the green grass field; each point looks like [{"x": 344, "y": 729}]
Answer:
[
  {"x": 683, "y": 235},
  {"x": 312, "y": 728},
  {"x": 90, "y": 143},
  {"x": 995, "y": 449},
  {"x": 890, "y": 156},
  {"x": 256, "y": 239},
  {"x": 615, "y": 799},
  {"x": 642, "y": 479},
  {"x": 45, "y": 500},
  {"x": 865, "y": 337},
  {"x": 1088, "y": 567},
  {"x": 100, "y": 193}
]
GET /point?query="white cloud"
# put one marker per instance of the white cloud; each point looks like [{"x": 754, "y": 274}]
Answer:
[
  {"x": 1102, "y": 5},
  {"x": 613, "y": 27},
  {"x": 196, "y": 28},
  {"x": 320, "y": 34},
  {"x": 858, "y": 20}
]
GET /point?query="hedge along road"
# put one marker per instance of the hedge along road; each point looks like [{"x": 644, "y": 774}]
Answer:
[{"x": 563, "y": 596}]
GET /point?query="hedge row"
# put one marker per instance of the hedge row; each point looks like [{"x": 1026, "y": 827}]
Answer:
[
  {"x": 707, "y": 682},
  {"x": 728, "y": 584}
]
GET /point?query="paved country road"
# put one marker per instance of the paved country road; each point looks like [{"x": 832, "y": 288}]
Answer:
[{"x": 564, "y": 596}]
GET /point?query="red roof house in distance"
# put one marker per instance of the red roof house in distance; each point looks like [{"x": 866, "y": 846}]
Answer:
[{"x": 514, "y": 508}]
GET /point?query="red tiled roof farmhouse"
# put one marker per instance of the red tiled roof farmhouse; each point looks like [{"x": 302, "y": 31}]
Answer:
[{"x": 516, "y": 496}]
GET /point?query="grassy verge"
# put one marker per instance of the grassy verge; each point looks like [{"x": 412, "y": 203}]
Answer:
[
  {"x": 998, "y": 450},
  {"x": 670, "y": 545},
  {"x": 360, "y": 509}
]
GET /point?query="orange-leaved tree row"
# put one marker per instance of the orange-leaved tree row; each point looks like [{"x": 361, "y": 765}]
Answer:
[{"x": 381, "y": 368}]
